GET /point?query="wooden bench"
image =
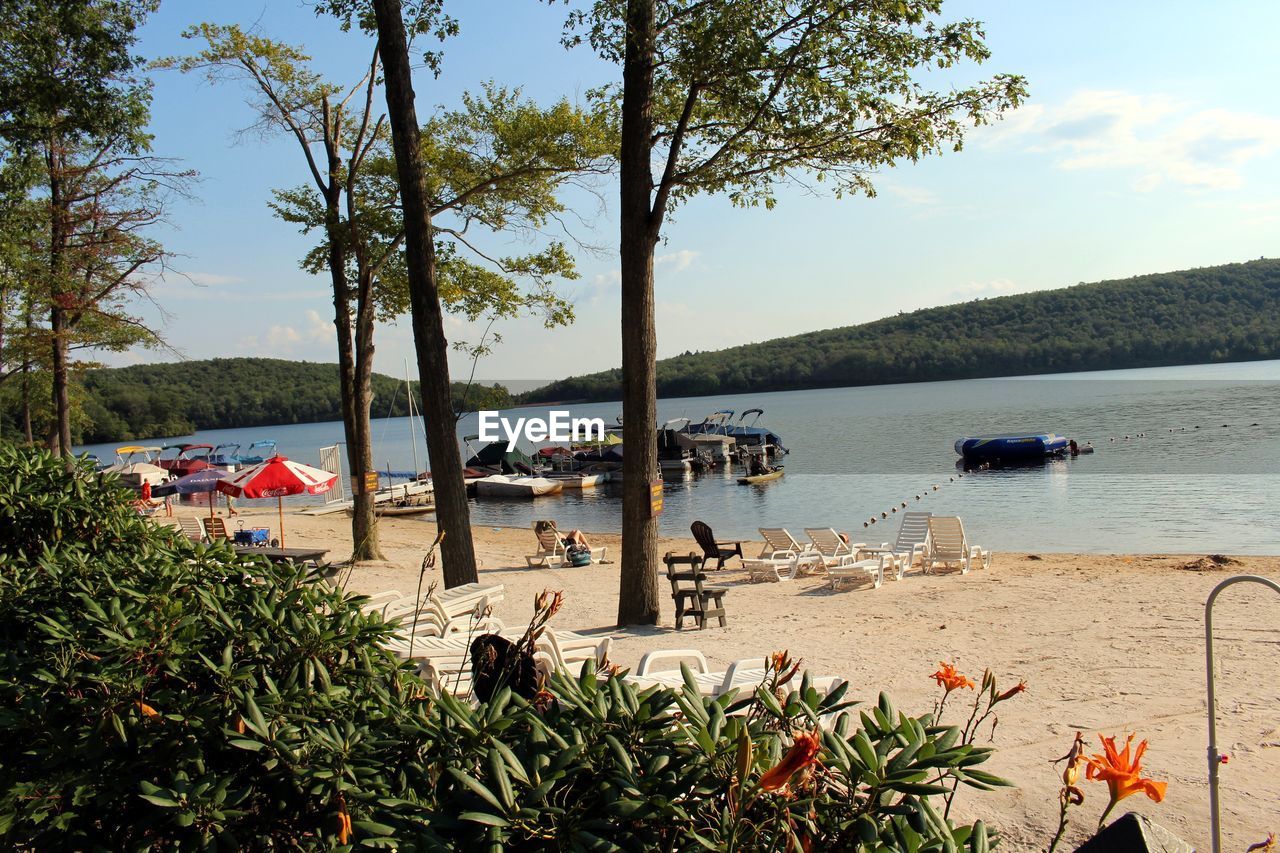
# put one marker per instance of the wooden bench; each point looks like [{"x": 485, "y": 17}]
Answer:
[{"x": 691, "y": 597}]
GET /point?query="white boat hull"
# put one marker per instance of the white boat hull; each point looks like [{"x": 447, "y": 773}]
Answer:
[
  {"x": 581, "y": 481},
  {"x": 500, "y": 486}
]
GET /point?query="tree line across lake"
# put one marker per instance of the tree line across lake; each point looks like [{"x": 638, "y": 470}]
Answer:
[
  {"x": 1213, "y": 314},
  {"x": 153, "y": 400},
  {"x": 1225, "y": 313}
]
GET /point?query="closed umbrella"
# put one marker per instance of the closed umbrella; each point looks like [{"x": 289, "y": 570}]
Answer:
[
  {"x": 204, "y": 481},
  {"x": 276, "y": 478}
]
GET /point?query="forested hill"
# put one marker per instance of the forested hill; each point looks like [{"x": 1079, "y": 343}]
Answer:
[
  {"x": 153, "y": 400},
  {"x": 1225, "y": 313}
]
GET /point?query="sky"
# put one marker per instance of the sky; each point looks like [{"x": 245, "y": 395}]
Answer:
[{"x": 1150, "y": 142}]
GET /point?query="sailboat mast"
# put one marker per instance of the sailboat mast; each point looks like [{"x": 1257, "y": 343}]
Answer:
[{"x": 413, "y": 421}]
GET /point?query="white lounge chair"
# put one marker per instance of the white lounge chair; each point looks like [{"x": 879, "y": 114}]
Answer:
[
  {"x": 741, "y": 674},
  {"x": 551, "y": 547},
  {"x": 827, "y": 544},
  {"x": 781, "y": 552},
  {"x": 454, "y": 603},
  {"x": 949, "y": 547},
  {"x": 191, "y": 527},
  {"x": 872, "y": 568},
  {"x": 913, "y": 539}
]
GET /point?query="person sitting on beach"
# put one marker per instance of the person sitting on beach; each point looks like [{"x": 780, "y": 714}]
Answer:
[{"x": 573, "y": 537}]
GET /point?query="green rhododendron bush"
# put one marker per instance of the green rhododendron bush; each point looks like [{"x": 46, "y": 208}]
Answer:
[{"x": 155, "y": 693}]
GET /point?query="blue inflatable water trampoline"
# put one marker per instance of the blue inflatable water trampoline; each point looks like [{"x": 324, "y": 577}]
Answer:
[{"x": 1011, "y": 448}]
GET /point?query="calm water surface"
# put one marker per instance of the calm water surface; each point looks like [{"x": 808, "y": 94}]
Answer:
[{"x": 857, "y": 452}]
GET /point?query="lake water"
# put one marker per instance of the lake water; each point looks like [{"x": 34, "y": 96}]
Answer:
[{"x": 1197, "y": 473}]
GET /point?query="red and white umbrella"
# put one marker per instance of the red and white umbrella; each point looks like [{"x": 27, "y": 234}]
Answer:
[{"x": 276, "y": 478}]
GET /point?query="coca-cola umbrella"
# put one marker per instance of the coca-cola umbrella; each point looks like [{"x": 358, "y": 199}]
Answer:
[
  {"x": 276, "y": 478},
  {"x": 204, "y": 481}
]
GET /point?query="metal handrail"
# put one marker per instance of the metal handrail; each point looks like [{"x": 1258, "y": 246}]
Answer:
[{"x": 1215, "y": 758}]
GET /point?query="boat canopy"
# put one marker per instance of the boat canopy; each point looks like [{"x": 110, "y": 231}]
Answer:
[
  {"x": 137, "y": 448},
  {"x": 613, "y": 453},
  {"x": 496, "y": 455},
  {"x": 259, "y": 451}
]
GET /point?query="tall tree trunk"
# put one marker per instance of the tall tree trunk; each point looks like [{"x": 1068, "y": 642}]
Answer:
[
  {"x": 61, "y": 432},
  {"x": 353, "y": 359},
  {"x": 364, "y": 521},
  {"x": 29, "y": 322},
  {"x": 58, "y": 237},
  {"x": 452, "y": 513},
  {"x": 638, "y": 586},
  {"x": 353, "y": 389}
]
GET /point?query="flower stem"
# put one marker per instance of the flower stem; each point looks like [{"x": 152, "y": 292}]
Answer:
[
  {"x": 1102, "y": 820},
  {"x": 1062, "y": 821}
]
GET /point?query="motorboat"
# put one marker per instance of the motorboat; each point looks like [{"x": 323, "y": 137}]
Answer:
[
  {"x": 193, "y": 458},
  {"x": 135, "y": 463},
  {"x": 744, "y": 435},
  {"x": 509, "y": 486},
  {"x": 258, "y": 452},
  {"x": 579, "y": 479},
  {"x": 136, "y": 473},
  {"x": 226, "y": 455}
]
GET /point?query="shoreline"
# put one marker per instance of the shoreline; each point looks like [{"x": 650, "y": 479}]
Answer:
[{"x": 1107, "y": 643}]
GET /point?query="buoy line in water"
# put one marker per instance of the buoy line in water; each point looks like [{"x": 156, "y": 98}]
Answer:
[{"x": 903, "y": 504}]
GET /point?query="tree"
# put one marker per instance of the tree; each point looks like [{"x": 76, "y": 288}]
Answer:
[
  {"x": 739, "y": 97},
  {"x": 452, "y": 514},
  {"x": 69, "y": 97},
  {"x": 498, "y": 165},
  {"x": 337, "y": 132}
]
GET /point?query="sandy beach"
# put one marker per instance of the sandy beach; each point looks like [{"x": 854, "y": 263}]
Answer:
[{"x": 1106, "y": 643}]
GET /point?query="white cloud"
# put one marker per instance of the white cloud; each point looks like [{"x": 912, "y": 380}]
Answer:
[
  {"x": 1156, "y": 138},
  {"x": 282, "y": 336},
  {"x": 319, "y": 330},
  {"x": 610, "y": 280},
  {"x": 676, "y": 261}
]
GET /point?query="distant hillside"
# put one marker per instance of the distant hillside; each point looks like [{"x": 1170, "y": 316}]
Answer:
[
  {"x": 147, "y": 401},
  {"x": 1226, "y": 313}
]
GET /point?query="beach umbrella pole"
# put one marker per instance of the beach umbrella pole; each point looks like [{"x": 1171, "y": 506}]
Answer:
[{"x": 280, "y": 505}]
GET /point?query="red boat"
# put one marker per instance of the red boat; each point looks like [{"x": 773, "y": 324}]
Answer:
[{"x": 189, "y": 459}]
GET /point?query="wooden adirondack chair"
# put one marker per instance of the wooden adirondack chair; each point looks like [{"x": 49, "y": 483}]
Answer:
[
  {"x": 713, "y": 549},
  {"x": 691, "y": 597}
]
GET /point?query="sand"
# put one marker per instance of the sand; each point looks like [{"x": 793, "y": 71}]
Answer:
[{"x": 1106, "y": 643}]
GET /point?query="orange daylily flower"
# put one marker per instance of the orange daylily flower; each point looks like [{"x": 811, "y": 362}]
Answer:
[
  {"x": 1122, "y": 769},
  {"x": 1012, "y": 691},
  {"x": 803, "y": 752},
  {"x": 344, "y": 822},
  {"x": 947, "y": 677}
]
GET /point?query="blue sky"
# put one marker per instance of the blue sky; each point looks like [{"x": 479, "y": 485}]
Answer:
[{"x": 1150, "y": 142}]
